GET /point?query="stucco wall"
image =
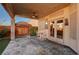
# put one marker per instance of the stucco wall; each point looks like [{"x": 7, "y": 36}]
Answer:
[{"x": 42, "y": 31}]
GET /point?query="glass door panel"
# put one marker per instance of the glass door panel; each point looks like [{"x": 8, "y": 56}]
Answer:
[
  {"x": 52, "y": 28},
  {"x": 60, "y": 29}
]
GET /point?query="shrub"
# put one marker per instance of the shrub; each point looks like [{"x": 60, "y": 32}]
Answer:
[
  {"x": 3, "y": 32},
  {"x": 33, "y": 31}
]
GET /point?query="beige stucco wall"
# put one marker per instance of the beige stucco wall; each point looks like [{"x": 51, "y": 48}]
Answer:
[
  {"x": 42, "y": 32},
  {"x": 71, "y": 32}
]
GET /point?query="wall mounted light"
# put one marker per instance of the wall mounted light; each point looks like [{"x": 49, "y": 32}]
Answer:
[{"x": 46, "y": 23}]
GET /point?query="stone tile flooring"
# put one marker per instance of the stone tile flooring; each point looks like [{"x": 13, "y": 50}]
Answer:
[{"x": 34, "y": 46}]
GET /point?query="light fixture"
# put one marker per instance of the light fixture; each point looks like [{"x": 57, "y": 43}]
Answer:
[
  {"x": 34, "y": 15},
  {"x": 46, "y": 23}
]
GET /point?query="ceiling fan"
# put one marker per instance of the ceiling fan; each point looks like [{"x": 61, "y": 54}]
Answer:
[{"x": 35, "y": 15}]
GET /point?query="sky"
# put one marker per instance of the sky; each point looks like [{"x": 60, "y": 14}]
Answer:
[
  {"x": 21, "y": 19},
  {"x": 5, "y": 19}
]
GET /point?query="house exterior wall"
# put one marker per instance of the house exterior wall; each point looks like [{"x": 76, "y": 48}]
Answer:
[
  {"x": 71, "y": 32},
  {"x": 20, "y": 31},
  {"x": 22, "y": 28}
]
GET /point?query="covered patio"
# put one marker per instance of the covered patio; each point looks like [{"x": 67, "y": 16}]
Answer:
[
  {"x": 55, "y": 24},
  {"x": 37, "y": 11}
]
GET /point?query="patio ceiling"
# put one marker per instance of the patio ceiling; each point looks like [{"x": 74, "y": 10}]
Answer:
[{"x": 41, "y": 9}]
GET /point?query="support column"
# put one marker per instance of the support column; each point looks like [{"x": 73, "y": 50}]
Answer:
[{"x": 12, "y": 29}]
